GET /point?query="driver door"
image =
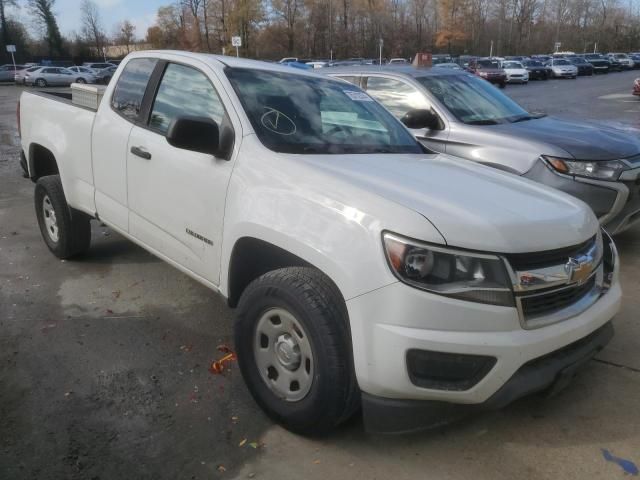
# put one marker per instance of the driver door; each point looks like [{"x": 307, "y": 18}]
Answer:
[
  {"x": 399, "y": 97},
  {"x": 177, "y": 197}
]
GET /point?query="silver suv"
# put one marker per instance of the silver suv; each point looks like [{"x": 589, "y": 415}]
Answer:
[{"x": 458, "y": 113}]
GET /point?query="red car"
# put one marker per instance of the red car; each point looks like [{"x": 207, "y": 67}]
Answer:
[
  {"x": 636, "y": 87},
  {"x": 490, "y": 70}
]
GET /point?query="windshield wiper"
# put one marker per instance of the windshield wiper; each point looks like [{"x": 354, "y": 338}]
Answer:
[
  {"x": 483, "y": 122},
  {"x": 523, "y": 118}
]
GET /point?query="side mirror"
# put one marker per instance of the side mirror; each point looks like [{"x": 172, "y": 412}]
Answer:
[
  {"x": 198, "y": 134},
  {"x": 421, "y": 118}
]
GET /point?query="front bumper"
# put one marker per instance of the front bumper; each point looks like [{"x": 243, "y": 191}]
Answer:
[
  {"x": 551, "y": 372},
  {"x": 616, "y": 204},
  {"x": 391, "y": 323}
]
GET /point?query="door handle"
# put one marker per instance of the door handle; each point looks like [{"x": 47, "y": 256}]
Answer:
[{"x": 141, "y": 152}]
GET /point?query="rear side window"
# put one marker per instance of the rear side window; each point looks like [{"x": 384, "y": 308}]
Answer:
[
  {"x": 184, "y": 91},
  {"x": 397, "y": 96},
  {"x": 128, "y": 94}
]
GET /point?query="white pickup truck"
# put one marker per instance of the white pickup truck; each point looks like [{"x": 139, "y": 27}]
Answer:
[{"x": 365, "y": 270}]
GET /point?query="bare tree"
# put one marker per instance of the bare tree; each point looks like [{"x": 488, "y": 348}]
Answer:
[
  {"x": 92, "y": 25},
  {"x": 125, "y": 34}
]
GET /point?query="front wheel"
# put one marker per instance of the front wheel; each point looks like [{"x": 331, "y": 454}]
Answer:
[
  {"x": 67, "y": 232},
  {"x": 41, "y": 82},
  {"x": 81, "y": 80},
  {"x": 502, "y": 85},
  {"x": 294, "y": 349}
]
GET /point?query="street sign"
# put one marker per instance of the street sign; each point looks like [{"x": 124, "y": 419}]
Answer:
[
  {"x": 236, "y": 41},
  {"x": 558, "y": 45},
  {"x": 11, "y": 48}
]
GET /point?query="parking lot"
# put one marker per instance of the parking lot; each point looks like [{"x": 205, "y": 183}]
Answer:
[{"x": 104, "y": 364}]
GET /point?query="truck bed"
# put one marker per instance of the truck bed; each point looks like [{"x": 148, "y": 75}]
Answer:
[{"x": 51, "y": 121}]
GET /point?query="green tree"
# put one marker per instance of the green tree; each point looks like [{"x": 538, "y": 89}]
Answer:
[{"x": 42, "y": 10}]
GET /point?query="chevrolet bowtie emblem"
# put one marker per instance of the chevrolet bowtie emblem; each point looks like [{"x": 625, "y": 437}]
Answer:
[{"x": 579, "y": 269}]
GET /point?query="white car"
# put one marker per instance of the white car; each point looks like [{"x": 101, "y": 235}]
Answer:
[
  {"x": 317, "y": 64},
  {"x": 398, "y": 61},
  {"x": 86, "y": 70},
  {"x": 364, "y": 270},
  {"x": 562, "y": 68},
  {"x": 625, "y": 60},
  {"x": 516, "y": 72}
]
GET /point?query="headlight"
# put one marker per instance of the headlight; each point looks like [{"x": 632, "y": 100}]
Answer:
[
  {"x": 454, "y": 273},
  {"x": 482, "y": 74},
  {"x": 602, "y": 170}
]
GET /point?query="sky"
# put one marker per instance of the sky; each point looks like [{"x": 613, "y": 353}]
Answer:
[{"x": 141, "y": 13}]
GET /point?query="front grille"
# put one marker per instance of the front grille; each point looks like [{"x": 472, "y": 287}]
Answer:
[
  {"x": 548, "y": 258},
  {"x": 546, "y": 303}
]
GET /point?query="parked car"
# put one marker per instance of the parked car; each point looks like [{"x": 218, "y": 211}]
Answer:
[
  {"x": 537, "y": 70},
  {"x": 599, "y": 63},
  {"x": 562, "y": 68},
  {"x": 468, "y": 119},
  {"x": 489, "y": 70},
  {"x": 86, "y": 70},
  {"x": 104, "y": 76},
  {"x": 453, "y": 66},
  {"x": 56, "y": 76},
  {"x": 614, "y": 64},
  {"x": 114, "y": 62},
  {"x": 19, "y": 77},
  {"x": 584, "y": 67},
  {"x": 636, "y": 59},
  {"x": 97, "y": 66},
  {"x": 441, "y": 58},
  {"x": 516, "y": 73},
  {"x": 365, "y": 271},
  {"x": 636, "y": 87},
  {"x": 8, "y": 72},
  {"x": 623, "y": 59},
  {"x": 398, "y": 61},
  {"x": 317, "y": 64}
]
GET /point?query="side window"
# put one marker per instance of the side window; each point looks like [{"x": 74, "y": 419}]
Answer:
[
  {"x": 127, "y": 97},
  {"x": 184, "y": 91},
  {"x": 398, "y": 97}
]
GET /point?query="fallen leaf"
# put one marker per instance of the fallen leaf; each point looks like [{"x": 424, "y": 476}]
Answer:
[
  {"x": 186, "y": 348},
  {"x": 242, "y": 442},
  {"x": 109, "y": 311},
  {"x": 67, "y": 394},
  {"x": 218, "y": 366},
  {"x": 316, "y": 462},
  {"x": 221, "y": 468},
  {"x": 224, "y": 349},
  {"x": 253, "y": 445}
]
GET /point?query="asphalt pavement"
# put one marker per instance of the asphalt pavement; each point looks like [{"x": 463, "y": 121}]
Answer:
[{"x": 104, "y": 365}]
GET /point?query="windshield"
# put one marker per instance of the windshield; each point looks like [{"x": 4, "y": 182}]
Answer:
[
  {"x": 561, "y": 61},
  {"x": 473, "y": 101},
  {"x": 512, "y": 65},
  {"x": 621, "y": 55},
  {"x": 303, "y": 114},
  {"x": 534, "y": 63},
  {"x": 488, "y": 64},
  {"x": 578, "y": 60}
]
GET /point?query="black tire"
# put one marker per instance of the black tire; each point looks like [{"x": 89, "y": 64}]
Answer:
[
  {"x": 502, "y": 85},
  {"x": 73, "y": 226},
  {"x": 81, "y": 80},
  {"x": 41, "y": 83},
  {"x": 106, "y": 80},
  {"x": 319, "y": 308}
]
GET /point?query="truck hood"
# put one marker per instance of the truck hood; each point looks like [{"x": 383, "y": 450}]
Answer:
[
  {"x": 473, "y": 206},
  {"x": 581, "y": 140}
]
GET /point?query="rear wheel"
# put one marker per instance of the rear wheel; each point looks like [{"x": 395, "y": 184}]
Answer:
[
  {"x": 294, "y": 349},
  {"x": 502, "y": 85},
  {"x": 81, "y": 80},
  {"x": 66, "y": 231},
  {"x": 41, "y": 82}
]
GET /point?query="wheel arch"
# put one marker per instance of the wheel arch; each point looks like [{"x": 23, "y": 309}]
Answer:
[
  {"x": 252, "y": 257},
  {"x": 42, "y": 161}
]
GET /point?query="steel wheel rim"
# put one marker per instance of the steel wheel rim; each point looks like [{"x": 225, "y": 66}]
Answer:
[
  {"x": 283, "y": 355},
  {"x": 50, "y": 220}
]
